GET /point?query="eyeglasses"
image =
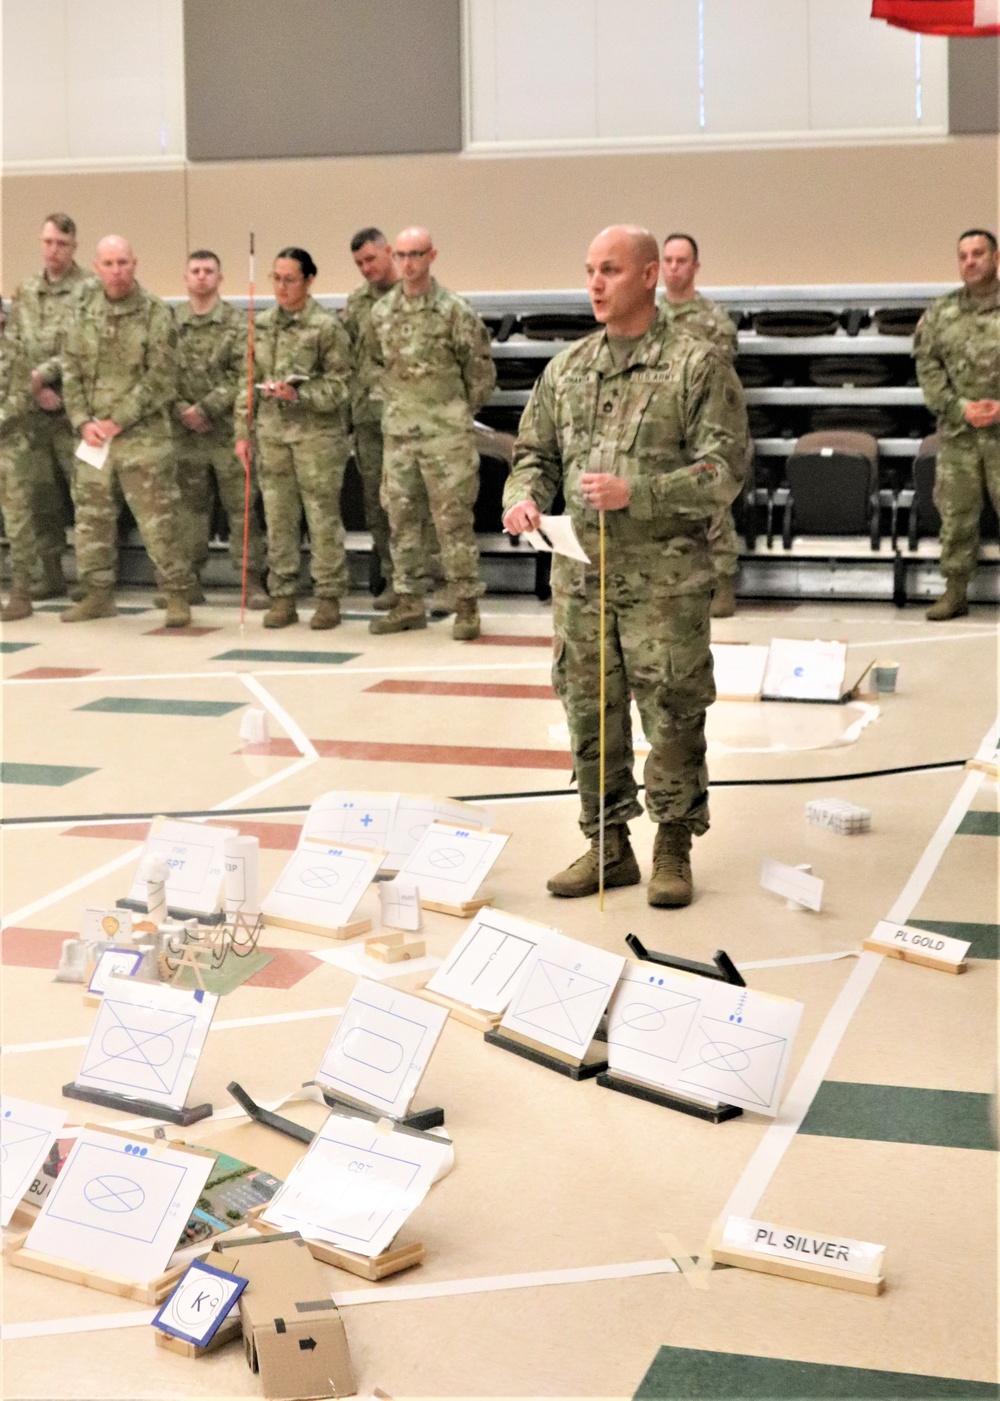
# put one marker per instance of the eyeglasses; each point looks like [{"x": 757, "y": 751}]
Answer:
[
  {"x": 410, "y": 253},
  {"x": 286, "y": 281}
]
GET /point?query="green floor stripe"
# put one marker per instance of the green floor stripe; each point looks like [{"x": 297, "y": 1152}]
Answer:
[
  {"x": 6, "y": 647},
  {"x": 42, "y": 775},
  {"x": 979, "y": 824},
  {"x": 900, "y": 1114},
  {"x": 679, "y": 1372},
  {"x": 983, "y": 938},
  {"x": 260, "y": 654},
  {"x": 132, "y": 705}
]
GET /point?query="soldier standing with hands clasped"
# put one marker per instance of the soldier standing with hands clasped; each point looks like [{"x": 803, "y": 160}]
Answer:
[
  {"x": 649, "y": 426},
  {"x": 957, "y": 350}
]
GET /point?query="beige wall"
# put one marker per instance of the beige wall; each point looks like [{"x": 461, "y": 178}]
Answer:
[{"x": 838, "y": 214}]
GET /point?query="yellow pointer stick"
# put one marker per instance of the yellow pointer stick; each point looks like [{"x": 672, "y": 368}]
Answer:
[{"x": 601, "y": 727}]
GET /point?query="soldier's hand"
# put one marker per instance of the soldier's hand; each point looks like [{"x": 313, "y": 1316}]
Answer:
[
  {"x": 981, "y": 413},
  {"x": 107, "y": 428},
  {"x": 524, "y": 516},
  {"x": 46, "y": 398},
  {"x": 281, "y": 389},
  {"x": 603, "y": 491},
  {"x": 242, "y": 450},
  {"x": 92, "y": 435},
  {"x": 193, "y": 418}
]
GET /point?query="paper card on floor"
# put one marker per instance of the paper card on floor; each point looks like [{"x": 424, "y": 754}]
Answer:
[
  {"x": 102, "y": 923},
  {"x": 562, "y": 993},
  {"x": 739, "y": 670},
  {"x": 380, "y": 1050},
  {"x": 799, "y": 670},
  {"x": 321, "y": 885},
  {"x": 485, "y": 964},
  {"x": 450, "y": 863},
  {"x": 27, "y": 1132},
  {"x": 196, "y": 864},
  {"x": 356, "y": 1186},
  {"x": 395, "y": 822},
  {"x": 114, "y": 963},
  {"x": 353, "y": 959},
  {"x": 798, "y": 886},
  {"x": 200, "y": 1303},
  {"x": 146, "y": 1040},
  {"x": 400, "y": 900},
  {"x": 919, "y": 941},
  {"x": 120, "y": 1203},
  {"x": 704, "y": 1039},
  {"x": 94, "y": 457},
  {"x": 556, "y": 536}
]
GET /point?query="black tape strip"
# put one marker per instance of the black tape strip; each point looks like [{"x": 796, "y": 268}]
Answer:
[
  {"x": 279, "y": 1326},
  {"x": 315, "y": 1305}
]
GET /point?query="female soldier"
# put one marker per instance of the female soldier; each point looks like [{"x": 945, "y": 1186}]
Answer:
[{"x": 301, "y": 371}]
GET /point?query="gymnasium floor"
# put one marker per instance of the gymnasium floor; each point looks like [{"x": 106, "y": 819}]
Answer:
[{"x": 549, "y": 1268}]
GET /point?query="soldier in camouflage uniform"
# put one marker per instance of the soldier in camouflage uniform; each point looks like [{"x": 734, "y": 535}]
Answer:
[
  {"x": 119, "y": 385},
  {"x": 433, "y": 355},
  {"x": 302, "y": 362},
  {"x": 211, "y": 338},
  {"x": 647, "y": 426},
  {"x": 41, "y": 311},
  {"x": 15, "y": 497},
  {"x": 957, "y": 350},
  {"x": 689, "y": 310}
]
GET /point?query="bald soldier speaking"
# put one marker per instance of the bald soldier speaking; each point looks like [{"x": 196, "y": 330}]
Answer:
[{"x": 647, "y": 425}]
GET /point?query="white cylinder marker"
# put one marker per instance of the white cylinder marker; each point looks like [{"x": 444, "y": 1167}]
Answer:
[
  {"x": 242, "y": 856},
  {"x": 253, "y": 726}
]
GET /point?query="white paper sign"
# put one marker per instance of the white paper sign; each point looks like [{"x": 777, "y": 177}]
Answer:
[
  {"x": 555, "y": 535},
  {"x": 795, "y": 885},
  {"x": 483, "y": 968},
  {"x": 450, "y": 863},
  {"x": 702, "y": 1038},
  {"x": 380, "y": 1050},
  {"x": 739, "y": 670},
  {"x": 196, "y": 868},
  {"x": 120, "y": 1204},
  {"x": 146, "y": 1040},
  {"x": 103, "y": 923},
  {"x": 392, "y": 822},
  {"x": 321, "y": 885},
  {"x": 836, "y": 1253},
  {"x": 94, "y": 457},
  {"x": 798, "y": 670},
  {"x": 561, "y": 995},
  {"x": 27, "y": 1132},
  {"x": 200, "y": 1303},
  {"x": 898, "y": 936},
  {"x": 400, "y": 900},
  {"x": 114, "y": 963}
]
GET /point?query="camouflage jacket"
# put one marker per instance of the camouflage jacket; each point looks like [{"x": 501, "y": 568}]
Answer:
[
  {"x": 40, "y": 315},
  {"x": 672, "y": 422},
  {"x": 432, "y": 355},
  {"x": 704, "y": 320},
  {"x": 120, "y": 361},
  {"x": 211, "y": 348},
  {"x": 366, "y": 393},
  {"x": 311, "y": 342},
  {"x": 957, "y": 350},
  {"x": 15, "y": 396}
]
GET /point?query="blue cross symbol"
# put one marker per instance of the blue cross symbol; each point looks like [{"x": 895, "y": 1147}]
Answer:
[{"x": 367, "y": 820}]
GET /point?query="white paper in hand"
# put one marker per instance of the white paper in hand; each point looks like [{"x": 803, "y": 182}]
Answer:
[
  {"x": 555, "y": 535},
  {"x": 94, "y": 457}
]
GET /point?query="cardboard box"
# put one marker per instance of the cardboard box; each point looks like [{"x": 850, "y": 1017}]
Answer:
[{"x": 292, "y": 1330}]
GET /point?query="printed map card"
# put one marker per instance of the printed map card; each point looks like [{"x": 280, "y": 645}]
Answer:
[{"x": 27, "y": 1132}]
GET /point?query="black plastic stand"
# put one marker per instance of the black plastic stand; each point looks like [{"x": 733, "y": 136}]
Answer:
[
  {"x": 586, "y": 1070},
  {"x": 266, "y": 1117},
  {"x": 723, "y": 969},
  {"x": 144, "y": 1107},
  {"x": 416, "y": 1119}
]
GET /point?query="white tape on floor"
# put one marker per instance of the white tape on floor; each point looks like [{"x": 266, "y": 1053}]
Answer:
[
  {"x": 233, "y": 1024},
  {"x": 488, "y": 1284},
  {"x": 805, "y": 958},
  {"x": 86, "y": 1323}
]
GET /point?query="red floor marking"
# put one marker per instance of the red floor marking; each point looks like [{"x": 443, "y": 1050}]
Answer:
[
  {"x": 462, "y": 688},
  {"x": 121, "y": 831},
  {"x": 287, "y": 967},
  {"x": 375, "y": 752},
  {"x": 273, "y": 836},
  {"x": 54, "y": 673},
  {"x": 189, "y": 631},
  {"x": 513, "y": 639}
]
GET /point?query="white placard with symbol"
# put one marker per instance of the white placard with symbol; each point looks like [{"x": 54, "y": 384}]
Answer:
[
  {"x": 450, "y": 863},
  {"x": 201, "y": 1302},
  {"x": 561, "y": 995},
  {"x": 391, "y": 822},
  {"x": 27, "y": 1132},
  {"x": 196, "y": 864},
  {"x": 321, "y": 885}
]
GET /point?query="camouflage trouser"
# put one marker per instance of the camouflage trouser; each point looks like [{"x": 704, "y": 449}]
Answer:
[
  {"x": 200, "y": 459},
  {"x": 440, "y": 473},
  {"x": 41, "y": 458},
  {"x": 967, "y": 468},
  {"x": 16, "y": 504},
  {"x": 724, "y": 544},
  {"x": 368, "y": 456},
  {"x": 306, "y": 474},
  {"x": 657, "y": 649},
  {"x": 141, "y": 470}
]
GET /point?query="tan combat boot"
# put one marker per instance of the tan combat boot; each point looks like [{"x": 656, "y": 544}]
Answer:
[
  {"x": 18, "y": 604},
  {"x": 281, "y": 613},
  {"x": 670, "y": 884},
  {"x": 257, "y": 595},
  {"x": 195, "y": 594},
  {"x": 580, "y": 878},
  {"x": 724, "y": 599},
  {"x": 466, "y": 627},
  {"x": 407, "y": 615},
  {"x": 52, "y": 583},
  {"x": 178, "y": 610},
  {"x": 95, "y": 603},
  {"x": 385, "y": 600},
  {"x": 952, "y": 603},
  {"x": 327, "y": 615}
]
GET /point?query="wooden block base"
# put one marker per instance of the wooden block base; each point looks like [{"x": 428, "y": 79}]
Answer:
[
  {"x": 471, "y": 1016},
  {"x": 153, "y": 1291},
  {"x": 144, "y": 1107},
  {"x": 464, "y": 911},
  {"x": 375, "y": 1267},
  {"x": 342, "y": 931},
  {"x": 925, "y": 960},
  {"x": 624, "y": 1084},
  {"x": 574, "y": 1070},
  {"x": 228, "y": 1331},
  {"x": 394, "y": 948},
  {"x": 872, "y": 1285}
]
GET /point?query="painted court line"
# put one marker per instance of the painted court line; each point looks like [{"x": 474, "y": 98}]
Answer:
[
  {"x": 345, "y": 669},
  {"x": 293, "y": 730},
  {"x": 757, "y": 1174}
]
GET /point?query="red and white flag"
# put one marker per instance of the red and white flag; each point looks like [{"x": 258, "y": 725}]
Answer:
[{"x": 961, "y": 18}]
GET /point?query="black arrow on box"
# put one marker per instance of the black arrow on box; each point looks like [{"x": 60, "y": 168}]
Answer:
[{"x": 306, "y": 1344}]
